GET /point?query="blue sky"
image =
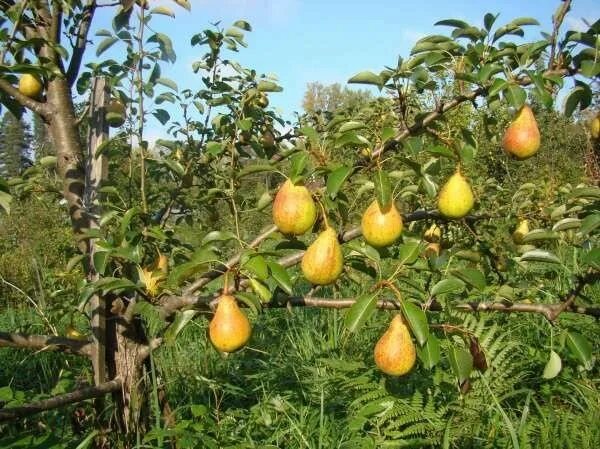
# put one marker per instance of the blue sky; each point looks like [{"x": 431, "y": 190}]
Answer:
[{"x": 329, "y": 41}]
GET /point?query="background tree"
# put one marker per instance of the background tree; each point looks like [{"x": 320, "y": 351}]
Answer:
[
  {"x": 15, "y": 141},
  {"x": 328, "y": 98}
]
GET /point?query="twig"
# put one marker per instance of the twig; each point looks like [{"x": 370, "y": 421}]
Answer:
[
  {"x": 83, "y": 394},
  {"x": 45, "y": 343}
]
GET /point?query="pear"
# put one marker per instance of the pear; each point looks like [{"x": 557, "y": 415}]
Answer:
[
  {"x": 433, "y": 234},
  {"x": 520, "y": 232},
  {"x": 595, "y": 127},
  {"x": 456, "y": 197},
  {"x": 522, "y": 137},
  {"x": 395, "y": 352},
  {"x": 30, "y": 85},
  {"x": 381, "y": 227},
  {"x": 115, "y": 113},
  {"x": 294, "y": 211},
  {"x": 322, "y": 262},
  {"x": 229, "y": 329}
]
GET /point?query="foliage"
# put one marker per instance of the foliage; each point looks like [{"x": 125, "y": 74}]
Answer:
[{"x": 202, "y": 194}]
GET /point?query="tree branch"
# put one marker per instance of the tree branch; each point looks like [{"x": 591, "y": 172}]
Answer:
[
  {"x": 81, "y": 43},
  {"x": 42, "y": 109},
  {"x": 45, "y": 343},
  {"x": 83, "y": 394}
]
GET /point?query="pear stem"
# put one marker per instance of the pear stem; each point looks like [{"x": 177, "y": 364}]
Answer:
[
  {"x": 226, "y": 282},
  {"x": 393, "y": 288},
  {"x": 324, "y": 214}
]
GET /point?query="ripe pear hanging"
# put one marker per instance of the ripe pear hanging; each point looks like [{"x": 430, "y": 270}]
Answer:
[
  {"x": 294, "y": 211},
  {"x": 456, "y": 197},
  {"x": 323, "y": 261},
  {"x": 522, "y": 137},
  {"x": 395, "y": 352},
  {"x": 520, "y": 232},
  {"x": 381, "y": 227},
  {"x": 229, "y": 330}
]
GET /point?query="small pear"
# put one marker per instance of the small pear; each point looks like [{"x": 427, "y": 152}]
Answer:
[
  {"x": 456, "y": 197},
  {"x": 294, "y": 211},
  {"x": 520, "y": 232},
  {"x": 323, "y": 261},
  {"x": 30, "y": 85},
  {"x": 595, "y": 127},
  {"x": 229, "y": 329},
  {"x": 433, "y": 234},
  {"x": 381, "y": 227},
  {"x": 522, "y": 137},
  {"x": 395, "y": 352}
]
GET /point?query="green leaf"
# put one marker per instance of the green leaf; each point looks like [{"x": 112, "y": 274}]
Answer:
[
  {"x": 580, "y": 95},
  {"x": 417, "y": 320},
  {"x": 180, "y": 321},
  {"x": 430, "y": 353},
  {"x": 257, "y": 265},
  {"x": 581, "y": 348},
  {"x": 336, "y": 179},
  {"x": 175, "y": 167},
  {"x": 217, "y": 236},
  {"x": 255, "y": 168},
  {"x": 5, "y": 200},
  {"x": 383, "y": 189},
  {"x": 261, "y": 290},
  {"x": 167, "y": 83},
  {"x": 105, "y": 45},
  {"x": 163, "y": 10},
  {"x": 408, "y": 253},
  {"x": 536, "y": 235},
  {"x": 161, "y": 115},
  {"x": 452, "y": 23},
  {"x": 351, "y": 125},
  {"x": 450, "y": 285},
  {"x": 592, "y": 258},
  {"x": 366, "y": 78},
  {"x": 298, "y": 162},
  {"x": 515, "y": 95},
  {"x": 268, "y": 86},
  {"x": 539, "y": 255},
  {"x": 311, "y": 134},
  {"x": 589, "y": 223},
  {"x": 472, "y": 277},
  {"x": 243, "y": 25},
  {"x": 214, "y": 148},
  {"x": 553, "y": 366},
  {"x": 567, "y": 223},
  {"x": 48, "y": 161},
  {"x": 461, "y": 362},
  {"x": 360, "y": 311},
  {"x": 281, "y": 276}
]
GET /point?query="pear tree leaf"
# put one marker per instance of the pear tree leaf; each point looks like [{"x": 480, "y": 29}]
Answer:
[
  {"x": 417, "y": 320},
  {"x": 461, "y": 362},
  {"x": 430, "y": 353},
  {"x": 360, "y": 311}
]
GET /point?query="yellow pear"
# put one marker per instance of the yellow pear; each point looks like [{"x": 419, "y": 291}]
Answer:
[
  {"x": 522, "y": 137},
  {"x": 595, "y": 127},
  {"x": 381, "y": 227},
  {"x": 229, "y": 329},
  {"x": 520, "y": 232},
  {"x": 456, "y": 197},
  {"x": 395, "y": 352},
  {"x": 30, "y": 85},
  {"x": 433, "y": 234},
  {"x": 323, "y": 261},
  {"x": 294, "y": 211}
]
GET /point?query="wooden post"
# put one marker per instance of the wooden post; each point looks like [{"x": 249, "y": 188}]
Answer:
[{"x": 96, "y": 172}]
